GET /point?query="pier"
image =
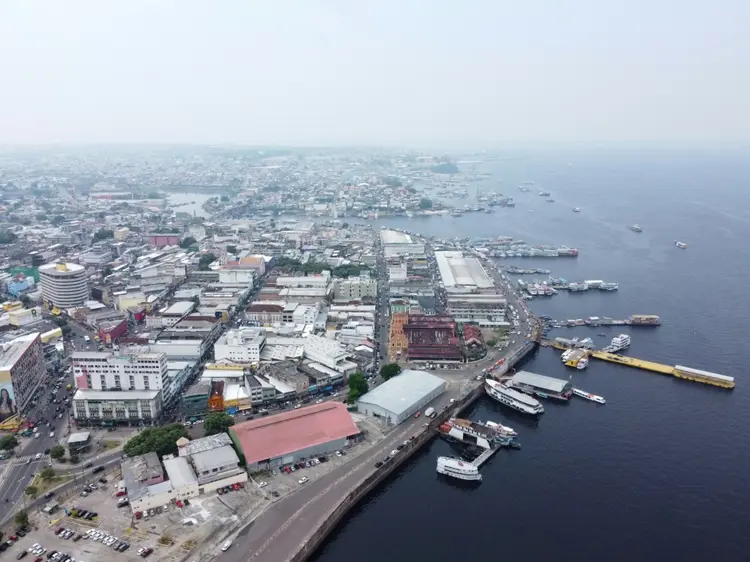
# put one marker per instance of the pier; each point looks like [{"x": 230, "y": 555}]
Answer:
[
  {"x": 485, "y": 456},
  {"x": 677, "y": 371}
]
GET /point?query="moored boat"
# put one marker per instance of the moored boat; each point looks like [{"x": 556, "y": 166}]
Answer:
[
  {"x": 456, "y": 468},
  {"x": 513, "y": 398},
  {"x": 588, "y": 396}
]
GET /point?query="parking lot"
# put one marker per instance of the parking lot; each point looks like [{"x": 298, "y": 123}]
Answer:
[{"x": 93, "y": 528}]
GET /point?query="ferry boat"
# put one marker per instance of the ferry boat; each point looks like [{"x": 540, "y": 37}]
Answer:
[
  {"x": 544, "y": 193},
  {"x": 619, "y": 342},
  {"x": 474, "y": 433},
  {"x": 588, "y": 396},
  {"x": 512, "y": 398},
  {"x": 501, "y": 429},
  {"x": 576, "y": 358},
  {"x": 635, "y": 228},
  {"x": 680, "y": 245},
  {"x": 456, "y": 468}
]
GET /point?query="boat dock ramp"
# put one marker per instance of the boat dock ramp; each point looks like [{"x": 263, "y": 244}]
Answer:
[
  {"x": 678, "y": 371},
  {"x": 599, "y": 321},
  {"x": 484, "y": 457}
]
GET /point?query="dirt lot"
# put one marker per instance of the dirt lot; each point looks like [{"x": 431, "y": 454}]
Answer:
[{"x": 171, "y": 534}]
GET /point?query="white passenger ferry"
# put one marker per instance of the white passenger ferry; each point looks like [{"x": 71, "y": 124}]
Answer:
[
  {"x": 456, "y": 468},
  {"x": 513, "y": 398}
]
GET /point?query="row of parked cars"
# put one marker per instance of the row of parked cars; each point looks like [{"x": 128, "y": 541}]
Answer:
[
  {"x": 108, "y": 540},
  {"x": 394, "y": 452},
  {"x": 234, "y": 487}
]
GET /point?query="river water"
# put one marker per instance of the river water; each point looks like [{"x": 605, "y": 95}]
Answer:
[{"x": 663, "y": 470}]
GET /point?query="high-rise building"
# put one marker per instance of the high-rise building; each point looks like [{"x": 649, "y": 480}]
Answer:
[
  {"x": 64, "y": 285},
  {"x": 22, "y": 370}
]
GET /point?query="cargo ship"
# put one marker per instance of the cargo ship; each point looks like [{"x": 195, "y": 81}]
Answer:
[
  {"x": 541, "y": 385},
  {"x": 512, "y": 398}
]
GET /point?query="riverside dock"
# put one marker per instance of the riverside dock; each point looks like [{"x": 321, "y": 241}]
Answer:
[
  {"x": 485, "y": 456},
  {"x": 678, "y": 371}
]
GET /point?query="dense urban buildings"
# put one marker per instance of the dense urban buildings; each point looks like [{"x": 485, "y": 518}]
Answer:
[{"x": 64, "y": 285}]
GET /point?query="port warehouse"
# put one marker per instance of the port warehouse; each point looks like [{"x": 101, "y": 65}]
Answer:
[
  {"x": 459, "y": 271},
  {"x": 432, "y": 338},
  {"x": 402, "y": 396},
  {"x": 678, "y": 371},
  {"x": 540, "y": 382},
  {"x": 298, "y": 435}
]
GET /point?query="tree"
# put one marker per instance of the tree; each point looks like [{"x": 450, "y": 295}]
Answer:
[
  {"x": 74, "y": 459},
  {"x": 225, "y": 198},
  {"x": 205, "y": 261},
  {"x": 231, "y": 249},
  {"x": 57, "y": 220},
  {"x": 26, "y": 301},
  {"x": 32, "y": 491},
  {"x": 187, "y": 242},
  {"x": 217, "y": 422},
  {"x": 357, "y": 387},
  {"x": 57, "y": 452},
  {"x": 8, "y": 443},
  {"x": 345, "y": 225},
  {"x": 47, "y": 474},
  {"x": 161, "y": 440},
  {"x": 103, "y": 234},
  {"x": 7, "y": 237},
  {"x": 22, "y": 518},
  {"x": 60, "y": 321},
  {"x": 389, "y": 370},
  {"x": 491, "y": 343},
  {"x": 425, "y": 203},
  {"x": 107, "y": 271}
]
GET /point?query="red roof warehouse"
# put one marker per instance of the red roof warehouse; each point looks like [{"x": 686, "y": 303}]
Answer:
[{"x": 290, "y": 437}]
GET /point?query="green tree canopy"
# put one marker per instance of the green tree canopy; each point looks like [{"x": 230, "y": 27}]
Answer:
[
  {"x": 26, "y": 300},
  {"x": 160, "y": 440},
  {"x": 32, "y": 491},
  {"x": 103, "y": 234},
  {"x": 47, "y": 474},
  {"x": 8, "y": 442},
  {"x": 357, "y": 386},
  {"x": 187, "y": 242},
  {"x": 231, "y": 249},
  {"x": 425, "y": 203},
  {"x": 217, "y": 422},
  {"x": 205, "y": 261},
  {"x": 74, "y": 459},
  {"x": 389, "y": 370},
  {"x": 22, "y": 518},
  {"x": 7, "y": 237},
  {"x": 349, "y": 270},
  {"x": 57, "y": 452}
]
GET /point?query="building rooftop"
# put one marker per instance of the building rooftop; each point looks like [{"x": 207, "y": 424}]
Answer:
[
  {"x": 179, "y": 472},
  {"x": 80, "y": 437},
  {"x": 399, "y": 393},
  {"x": 204, "y": 444},
  {"x": 179, "y": 308},
  {"x": 457, "y": 270},
  {"x": 541, "y": 381},
  {"x": 14, "y": 350},
  {"x": 394, "y": 237},
  {"x": 208, "y": 460},
  {"x": 281, "y": 434}
]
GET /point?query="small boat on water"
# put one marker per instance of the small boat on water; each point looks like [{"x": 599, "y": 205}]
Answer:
[
  {"x": 635, "y": 228},
  {"x": 588, "y": 396},
  {"x": 456, "y": 468},
  {"x": 576, "y": 210},
  {"x": 680, "y": 245}
]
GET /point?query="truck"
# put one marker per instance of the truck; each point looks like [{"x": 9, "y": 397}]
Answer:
[{"x": 429, "y": 412}]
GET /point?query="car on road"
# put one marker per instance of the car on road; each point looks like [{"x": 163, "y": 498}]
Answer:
[
  {"x": 225, "y": 546},
  {"x": 304, "y": 480},
  {"x": 378, "y": 464},
  {"x": 38, "y": 456},
  {"x": 52, "y": 434}
]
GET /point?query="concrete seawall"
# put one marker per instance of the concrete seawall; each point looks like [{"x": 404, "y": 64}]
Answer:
[{"x": 379, "y": 475}]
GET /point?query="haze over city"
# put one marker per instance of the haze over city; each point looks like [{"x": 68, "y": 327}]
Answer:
[{"x": 417, "y": 73}]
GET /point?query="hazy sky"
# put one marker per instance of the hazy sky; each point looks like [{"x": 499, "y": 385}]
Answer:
[{"x": 412, "y": 72}]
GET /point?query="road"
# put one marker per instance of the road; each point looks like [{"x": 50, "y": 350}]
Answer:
[
  {"x": 17, "y": 474},
  {"x": 17, "y": 487}
]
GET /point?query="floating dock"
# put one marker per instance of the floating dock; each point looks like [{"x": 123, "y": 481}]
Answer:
[
  {"x": 484, "y": 457},
  {"x": 678, "y": 371}
]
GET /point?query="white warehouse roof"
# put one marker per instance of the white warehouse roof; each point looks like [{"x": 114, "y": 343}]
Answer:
[
  {"x": 457, "y": 270},
  {"x": 398, "y": 394}
]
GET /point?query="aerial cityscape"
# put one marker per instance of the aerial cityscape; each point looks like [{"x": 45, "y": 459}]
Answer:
[{"x": 328, "y": 281}]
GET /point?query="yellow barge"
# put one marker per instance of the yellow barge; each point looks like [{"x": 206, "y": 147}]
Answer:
[{"x": 678, "y": 371}]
